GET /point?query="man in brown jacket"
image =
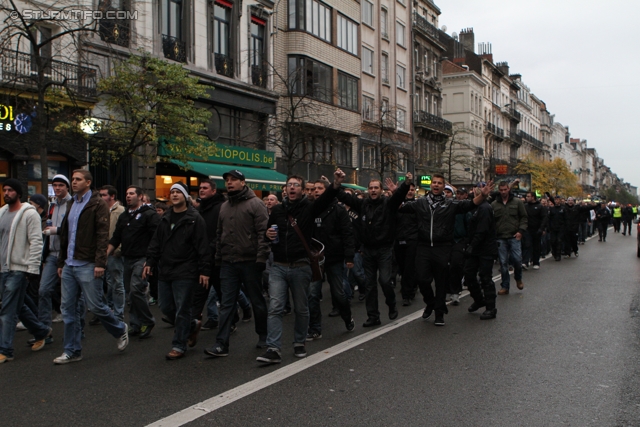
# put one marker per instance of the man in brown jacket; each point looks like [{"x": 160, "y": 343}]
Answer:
[
  {"x": 84, "y": 238},
  {"x": 242, "y": 252}
]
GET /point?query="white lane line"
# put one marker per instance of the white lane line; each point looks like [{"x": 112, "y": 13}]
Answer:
[{"x": 198, "y": 410}]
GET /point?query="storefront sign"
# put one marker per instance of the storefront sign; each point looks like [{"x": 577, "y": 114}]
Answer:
[
  {"x": 243, "y": 156},
  {"x": 425, "y": 182},
  {"x": 9, "y": 121},
  {"x": 501, "y": 169}
]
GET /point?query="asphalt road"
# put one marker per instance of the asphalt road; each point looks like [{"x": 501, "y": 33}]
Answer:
[{"x": 562, "y": 352}]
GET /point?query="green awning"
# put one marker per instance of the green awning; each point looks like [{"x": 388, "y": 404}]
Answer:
[
  {"x": 256, "y": 178},
  {"x": 354, "y": 187}
]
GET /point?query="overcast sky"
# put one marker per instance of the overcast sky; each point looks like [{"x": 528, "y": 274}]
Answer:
[{"x": 580, "y": 57}]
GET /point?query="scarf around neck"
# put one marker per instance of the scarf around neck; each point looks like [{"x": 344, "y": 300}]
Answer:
[{"x": 435, "y": 201}]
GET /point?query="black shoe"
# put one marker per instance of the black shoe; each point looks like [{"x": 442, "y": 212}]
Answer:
[
  {"x": 134, "y": 332},
  {"x": 350, "y": 325},
  {"x": 299, "y": 351},
  {"x": 246, "y": 315},
  {"x": 95, "y": 321},
  {"x": 426, "y": 314},
  {"x": 262, "y": 343},
  {"x": 475, "y": 306},
  {"x": 439, "y": 319},
  {"x": 334, "y": 313},
  {"x": 489, "y": 314},
  {"x": 362, "y": 297},
  {"x": 271, "y": 356},
  {"x": 371, "y": 322},
  {"x": 406, "y": 302},
  {"x": 216, "y": 351},
  {"x": 145, "y": 331},
  {"x": 393, "y": 312},
  {"x": 210, "y": 324}
]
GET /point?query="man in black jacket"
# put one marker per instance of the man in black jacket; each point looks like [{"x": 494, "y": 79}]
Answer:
[
  {"x": 210, "y": 201},
  {"x": 436, "y": 216},
  {"x": 134, "y": 229},
  {"x": 480, "y": 254},
  {"x": 557, "y": 225},
  {"x": 537, "y": 222},
  {"x": 180, "y": 250},
  {"x": 333, "y": 230},
  {"x": 378, "y": 215},
  {"x": 291, "y": 269},
  {"x": 406, "y": 244},
  {"x": 603, "y": 218},
  {"x": 574, "y": 215},
  {"x": 627, "y": 218}
]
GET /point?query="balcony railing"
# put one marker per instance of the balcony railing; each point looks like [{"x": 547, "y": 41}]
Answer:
[
  {"x": 490, "y": 127},
  {"x": 432, "y": 121},
  {"x": 480, "y": 151},
  {"x": 421, "y": 23},
  {"x": 115, "y": 31},
  {"x": 512, "y": 113},
  {"x": 530, "y": 139},
  {"x": 500, "y": 132},
  {"x": 224, "y": 65},
  {"x": 259, "y": 75},
  {"x": 19, "y": 68},
  {"x": 174, "y": 48}
]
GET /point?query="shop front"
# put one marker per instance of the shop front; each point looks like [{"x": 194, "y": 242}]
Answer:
[{"x": 256, "y": 165}]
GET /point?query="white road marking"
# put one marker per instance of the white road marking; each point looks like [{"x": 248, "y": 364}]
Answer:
[{"x": 206, "y": 407}]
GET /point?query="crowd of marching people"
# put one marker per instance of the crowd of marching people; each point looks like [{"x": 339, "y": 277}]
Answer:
[{"x": 229, "y": 256}]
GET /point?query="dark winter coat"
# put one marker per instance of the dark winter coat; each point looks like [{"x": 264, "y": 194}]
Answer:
[
  {"x": 333, "y": 228},
  {"x": 511, "y": 217},
  {"x": 574, "y": 214},
  {"x": 537, "y": 218},
  {"x": 557, "y": 218},
  {"x": 134, "y": 231},
  {"x": 209, "y": 211},
  {"x": 482, "y": 232},
  {"x": 407, "y": 226}
]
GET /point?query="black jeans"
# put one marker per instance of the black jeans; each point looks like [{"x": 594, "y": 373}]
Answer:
[
  {"x": 571, "y": 240},
  {"x": 406, "y": 257},
  {"x": 531, "y": 247},
  {"x": 432, "y": 263},
  {"x": 201, "y": 295},
  {"x": 556, "y": 243},
  {"x": 627, "y": 226},
  {"x": 602, "y": 230},
  {"x": 456, "y": 268},
  {"x": 335, "y": 276},
  {"x": 485, "y": 291},
  {"x": 232, "y": 277},
  {"x": 377, "y": 264}
]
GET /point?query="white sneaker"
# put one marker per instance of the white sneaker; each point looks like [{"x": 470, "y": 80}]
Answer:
[
  {"x": 57, "y": 319},
  {"x": 455, "y": 299},
  {"x": 65, "y": 358},
  {"x": 123, "y": 341},
  {"x": 536, "y": 267},
  {"x": 20, "y": 327},
  {"x": 448, "y": 297}
]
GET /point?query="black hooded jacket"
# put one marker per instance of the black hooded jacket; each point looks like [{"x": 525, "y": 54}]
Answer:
[
  {"x": 182, "y": 252},
  {"x": 333, "y": 228},
  {"x": 574, "y": 215},
  {"x": 482, "y": 232},
  {"x": 557, "y": 218},
  {"x": 377, "y": 217},
  {"x": 537, "y": 218},
  {"x": 210, "y": 211},
  {"x": 407, "y": 229},
  {"x": 290, "y": 248}
]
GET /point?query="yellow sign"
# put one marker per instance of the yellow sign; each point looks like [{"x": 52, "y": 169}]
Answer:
[{"x": 6, "y": 112}]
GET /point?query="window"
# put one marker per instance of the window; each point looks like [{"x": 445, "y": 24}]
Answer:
[
  {"x": 347, "y": 35},
  {"x": 384, "y": 108},
  {"x": 348, "y": 91},
  {"x": 342, "y": 153},
  {"x": 367, "y": 60},
  {"x": 311, "y": 16},
  {"x": 400, "y": 34},
  {"x": 402, "y": 161},
  {"x": 221, "y": 25},
  {"x": 385, "y": 68},
  {"x": 401, "y": 2},
  {"x": 384, "y": 26},
  {"x": 417, "y": 99},
  {"x": 172, "y": 18},
  {"x": 416, "y": 57},
  {"x": 367, "y": 108},
  {"x": 367, "y": 13},
  {"x": 309, "y": 77},
  {"x": 401, "y": 118},
  {"x": 369, "y": 156},
  {"x": 43, "y": 37},
  {"x": 258, "y": 71},
  {"x": 400, "y": 76}
]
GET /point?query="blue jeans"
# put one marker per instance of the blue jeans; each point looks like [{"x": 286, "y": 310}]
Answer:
[
  {"x": 281, "y": 279},
  {"x": 338, "y": 297},
  {"x": 48, "y": 281},
  {"x": 115, "y": 284},
  {"x": 232, "y": 277},
  {"x": 77, "y": 281},
  {"x": 139, "y": 313},
  {"x": 212, "y": 307},
  {"x": 510, "y": 251},
  {"x": 176, "y": 298},
  {"x": 13, "y": 287}
]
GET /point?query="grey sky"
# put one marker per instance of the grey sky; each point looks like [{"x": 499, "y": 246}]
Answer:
[{"x": 579, "y": 57}]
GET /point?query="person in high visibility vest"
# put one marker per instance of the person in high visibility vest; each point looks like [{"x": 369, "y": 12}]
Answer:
[
  {"x": 635, "y": 211},
  {"x": 617, "y": 218}
]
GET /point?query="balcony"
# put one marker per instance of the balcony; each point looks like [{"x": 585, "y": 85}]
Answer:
[
  {"x": 174, "y": 48},
  {"x": 421, "y": 24},
  {"x": 259, "y": 76},
  {"x": 115, "y": 31},
  {"x": 438, "y": 124},
  {"x": 224, "y": 65},
  {"x": 530, "y": 139},
  {"x": 500, "y": 132},
  {"x": 512, "y": 113},
  {"x": 479, "y": 151},
  {"x": 20, "y": 69}
]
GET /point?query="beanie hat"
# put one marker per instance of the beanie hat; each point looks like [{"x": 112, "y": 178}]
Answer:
[
  {"x": 14, "y": 184},
  {"x": 40, "y": 200},
  {"x": 63, "y": 179},
  {"x": 448, "y": 188},
  {"x": 182, "y": 187}
]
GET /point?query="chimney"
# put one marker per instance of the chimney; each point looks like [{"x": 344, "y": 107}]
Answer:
[
  {"x": 503, "y": 67},
  {"x": 468, "y": 39}
]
